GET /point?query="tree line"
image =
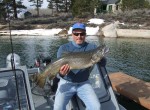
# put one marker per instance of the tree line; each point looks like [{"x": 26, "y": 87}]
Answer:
[
  {"x": 134, "y": 4},
  {"x": 76, "y": 7}
]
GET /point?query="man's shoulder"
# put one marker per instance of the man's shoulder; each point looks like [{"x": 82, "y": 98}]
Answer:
[
  {"x": 65, "y": 45},
  {"x": 63, "y": 48},
  {"x": 91, "y": 45}
]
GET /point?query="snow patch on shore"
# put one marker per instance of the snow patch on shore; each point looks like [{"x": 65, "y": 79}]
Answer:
[{"x": 55, "y": 31}]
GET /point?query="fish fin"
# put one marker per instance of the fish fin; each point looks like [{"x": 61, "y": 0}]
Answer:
[
  {"x": 93, "y": 58},
  {"x": 52, "y": 77},
  {"x": 40, "y": 80}
]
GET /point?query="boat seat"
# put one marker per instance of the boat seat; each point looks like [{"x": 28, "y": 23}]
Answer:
[
  {"x": 98, "y": 83},
  {"x": 7, "y": 90}
]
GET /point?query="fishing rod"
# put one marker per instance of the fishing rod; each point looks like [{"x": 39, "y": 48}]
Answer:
[
  {"x": 13, "y": 66},
  {"x": 12, "y": 56}
]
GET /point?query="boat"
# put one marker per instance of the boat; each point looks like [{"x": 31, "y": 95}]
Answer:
[{"x": 17, "y": 92}]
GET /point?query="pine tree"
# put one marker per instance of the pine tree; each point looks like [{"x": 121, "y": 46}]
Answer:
[
  {"x": 37, "y": 4},
  {"x": 134, "y": 4},
  {"x": 79, "y": 7},
  {"x": 59, "y": 5},
  {"x": 10, "y": 6}
]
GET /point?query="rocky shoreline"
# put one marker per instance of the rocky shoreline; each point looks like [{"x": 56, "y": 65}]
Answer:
[{"x": 135, "y": 20}]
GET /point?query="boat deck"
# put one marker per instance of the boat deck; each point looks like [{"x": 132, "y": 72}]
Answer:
[
  {"x": 29, "y": 96},
  {"x": 41, "y": 103},
  {"x": 135, "y": 89}
]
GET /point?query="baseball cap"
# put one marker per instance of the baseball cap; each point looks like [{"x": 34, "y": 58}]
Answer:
[{"x": 79, "y": 26}]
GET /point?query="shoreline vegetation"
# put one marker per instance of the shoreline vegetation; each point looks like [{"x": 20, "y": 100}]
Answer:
[{"x": 122, "y": 24}]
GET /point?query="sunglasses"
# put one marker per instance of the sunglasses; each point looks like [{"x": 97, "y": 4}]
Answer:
[{"x": 81, "y": 34}]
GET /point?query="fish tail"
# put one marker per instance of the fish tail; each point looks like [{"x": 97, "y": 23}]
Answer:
[
  {"x": 38, "y": 79},
  {"x": 41, "y": 81}
]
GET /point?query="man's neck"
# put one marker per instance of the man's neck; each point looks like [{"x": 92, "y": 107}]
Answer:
[{"x": 78, "y": 45}]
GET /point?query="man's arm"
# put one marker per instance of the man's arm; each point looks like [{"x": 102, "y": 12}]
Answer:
[{"x": 64, "y": 70}]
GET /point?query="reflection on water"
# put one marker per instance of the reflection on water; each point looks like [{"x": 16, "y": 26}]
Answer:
[{"x": 132, "y": 56}]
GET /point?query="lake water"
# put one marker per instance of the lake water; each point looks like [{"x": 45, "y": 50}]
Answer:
[{"x": 128, "y": 55}]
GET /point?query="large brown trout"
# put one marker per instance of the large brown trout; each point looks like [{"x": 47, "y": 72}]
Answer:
[{"x": 76, "y": 60}]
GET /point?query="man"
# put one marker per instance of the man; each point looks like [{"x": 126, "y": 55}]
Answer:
[
  {"x": 46, "y": 61},
  {"x": 37, "y": 62},
  {"x": 75, "y": 81}
]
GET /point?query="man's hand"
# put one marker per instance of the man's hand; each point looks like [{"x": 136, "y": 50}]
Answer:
[{"x": 64, "y": 70}]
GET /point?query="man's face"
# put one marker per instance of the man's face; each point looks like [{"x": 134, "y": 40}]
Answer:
[{"x": 78, "y": 36}]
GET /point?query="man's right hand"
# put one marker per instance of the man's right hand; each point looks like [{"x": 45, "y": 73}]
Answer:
[{"x": 64, "y": 70}]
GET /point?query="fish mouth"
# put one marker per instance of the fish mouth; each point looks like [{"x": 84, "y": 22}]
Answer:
[{"x": 105, "y": 50}]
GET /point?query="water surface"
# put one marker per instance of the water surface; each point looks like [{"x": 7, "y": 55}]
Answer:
[{"x": 131, "y": 56}]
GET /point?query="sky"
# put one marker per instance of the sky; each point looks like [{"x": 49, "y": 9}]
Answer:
[
  {"x": 89, "y": 30},
  {"x": 27, "y": 4}
]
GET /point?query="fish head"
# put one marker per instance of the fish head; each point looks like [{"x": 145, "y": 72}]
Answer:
[
  {"x": 105, "y": 50},
  {"x": 99, "y": 54}
]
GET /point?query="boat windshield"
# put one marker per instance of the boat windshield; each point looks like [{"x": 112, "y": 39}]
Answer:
[{"x": 14, "y": 94}]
